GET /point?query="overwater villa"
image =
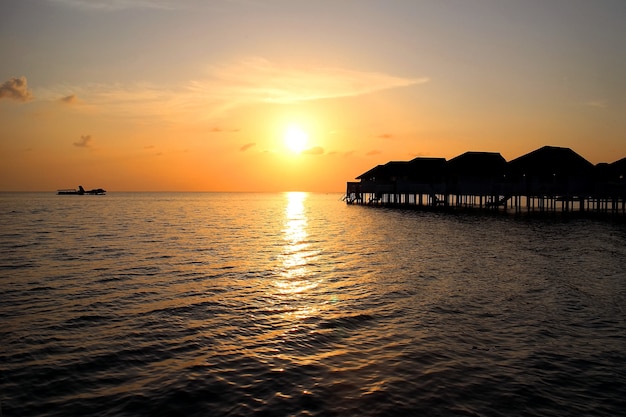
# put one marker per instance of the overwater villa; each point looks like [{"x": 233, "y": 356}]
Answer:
[{"x": 549, "y": 178}]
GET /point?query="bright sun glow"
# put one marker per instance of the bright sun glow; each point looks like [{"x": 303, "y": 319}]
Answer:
[{"x": 296, "y": 139}]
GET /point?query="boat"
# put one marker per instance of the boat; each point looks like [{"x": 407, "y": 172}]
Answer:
[{"x": 81, "y": 191}]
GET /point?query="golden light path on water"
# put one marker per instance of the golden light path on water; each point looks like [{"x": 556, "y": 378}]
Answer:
[{"x": 295, "y": 278}]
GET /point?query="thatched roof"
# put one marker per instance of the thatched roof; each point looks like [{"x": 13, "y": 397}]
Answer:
[
  {"x": 551, "y": 160},
  {"x": 416, "y": 168},
  {"x": 482, "y": 164},
  {"x": 372, "y": 173},
  {"x": 421, "y": 166},
  {"x": 543, "y": 162},
  {"x": 618, "y": 169},
  {"x": 391, "y": 168}
]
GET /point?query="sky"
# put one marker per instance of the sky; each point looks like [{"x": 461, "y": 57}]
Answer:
[{"x": 198, "y": 95}]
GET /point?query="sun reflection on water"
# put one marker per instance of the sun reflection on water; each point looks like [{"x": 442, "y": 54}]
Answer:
[{"x": 295, "y": 275}]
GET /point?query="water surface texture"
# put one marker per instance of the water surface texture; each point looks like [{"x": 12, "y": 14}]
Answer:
[{"x": 139, "y": 304}]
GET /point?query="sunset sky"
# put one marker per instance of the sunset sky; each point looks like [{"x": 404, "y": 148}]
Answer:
[{"x": 197, "y": 95}]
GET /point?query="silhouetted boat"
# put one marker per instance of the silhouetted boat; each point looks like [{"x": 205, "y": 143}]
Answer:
[{"x": 81, "y": 191}]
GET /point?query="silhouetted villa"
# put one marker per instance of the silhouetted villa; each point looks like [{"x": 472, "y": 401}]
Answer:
[
  {"x": 610, "y": 179},
  {"x": 618, "y": 171},
  {"x": 540, "y": 179},
  {"x": 551, "y": 171},
  {"x": 418, "y": 176},
  {"x": 476, "y": 173}
]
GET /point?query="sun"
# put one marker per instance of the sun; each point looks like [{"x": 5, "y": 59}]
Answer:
[{"x": 295, "y": 138}]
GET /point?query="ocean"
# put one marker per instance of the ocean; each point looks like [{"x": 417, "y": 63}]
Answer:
[{"x": 296, "y": 304}]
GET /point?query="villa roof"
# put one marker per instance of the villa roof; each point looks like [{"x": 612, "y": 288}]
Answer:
[
  {"x": 478, "y": 163},
  {"x": 619, "y": 165},
  {"x": 417, "y": 167},
  {"x": 377, "y": 171},
  {"x": 423, "y": 165},
  {"x": 391, "y": 168},
  {"x": 545, "y": 161},
  {"x": 551, "y": 160}
]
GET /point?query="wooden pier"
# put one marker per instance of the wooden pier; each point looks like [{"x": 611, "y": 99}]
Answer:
[{"x": 550, "y": 179}]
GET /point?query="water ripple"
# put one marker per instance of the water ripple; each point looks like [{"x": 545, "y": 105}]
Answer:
[{"x": 295, "y": 304}]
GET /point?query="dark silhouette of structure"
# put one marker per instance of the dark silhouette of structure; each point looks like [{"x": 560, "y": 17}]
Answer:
[
  {"x": 81, "y": 191},
  {"x": 549, "y": 178}
]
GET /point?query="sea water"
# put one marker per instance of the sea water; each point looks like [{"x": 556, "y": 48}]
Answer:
[{"x": 295, "y": 304}]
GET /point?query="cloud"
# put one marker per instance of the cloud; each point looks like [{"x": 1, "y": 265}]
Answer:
[
  {"x": 69, "y": 99},
  {"x": 385, "y": 136},
  {"x": 220, "y": 130},
  {"x": 598, "y": 104},
  {"x": 317, "y": 150},
  {"x": 374, "y": 152},
  {"x": 247, "y": 146},
  {"x": 246, "y": 82},
  {"x": 16, "y": 89},
  {"x": 259, "y": 80},
  {"x": 134, "y": 100},
  {"x": 113, "y": 5},
  {"x": 85, "y": 142}
]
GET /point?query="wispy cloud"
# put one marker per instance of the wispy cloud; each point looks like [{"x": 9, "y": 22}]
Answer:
[
  {"x": 259, "y": 80},
  {"x": 113, "y": 5},
  {"x": 598, "y": 104},
  {"x": 16, "y": 89},
  {"x": 69, "y": 99},
  {"x": 221, "y": 130},
  {"x": 85, "y": 141},
  {"x": 139, "y": 100},
  {"x": 247, "y": 146},
  {"x": 225, "y": 87},
  {"x": 317, "y": 150},
  {"x": 374, "y": 152}
]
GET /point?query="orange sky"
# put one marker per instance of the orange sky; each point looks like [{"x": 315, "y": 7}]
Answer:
[{"x": 197, "y": 96}]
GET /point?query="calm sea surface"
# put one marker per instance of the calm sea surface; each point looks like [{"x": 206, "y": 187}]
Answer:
[{"x": 139, "y": 304}]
